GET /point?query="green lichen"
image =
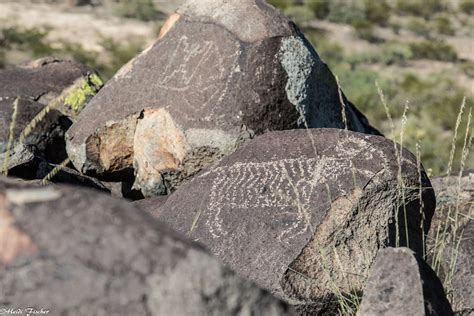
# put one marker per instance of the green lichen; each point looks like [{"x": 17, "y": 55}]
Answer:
[
  {"x": 95, "y": 79},
  {"x": 86, "y": 88}
]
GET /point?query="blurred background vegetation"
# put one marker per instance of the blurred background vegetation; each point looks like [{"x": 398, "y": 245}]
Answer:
[{"x": 419, "y": 51}]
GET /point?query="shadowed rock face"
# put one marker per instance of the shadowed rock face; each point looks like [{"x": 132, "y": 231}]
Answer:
[
  {"x": 220, "y": 72},
  {"x": 291, "y": 208},
  {"x": 450, "y": 242},
  {"x": 76, "y": 252},
  {"x": 399, "y": 284},
  {"x": 31, "y": 87}
]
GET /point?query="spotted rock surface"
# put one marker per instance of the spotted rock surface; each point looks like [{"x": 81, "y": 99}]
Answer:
[
  {"x": 31, "y": 87},
  {"x": 220, "y": 73},
  {"x": 77, "y": 252},
  {"x": 290, "y": 208},
  {"x": 400, "y": 283}
]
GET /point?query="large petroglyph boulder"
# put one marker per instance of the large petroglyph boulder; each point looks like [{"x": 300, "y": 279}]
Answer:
[
  {"x": 25, "y": 91},
  {"x": 76, "y": 252},
  {"x": 220, "y": 72},
  {"x": 400, "y": 283},
  {"x": 450, "y": 242},
  {"x": 304, "y": 211}
]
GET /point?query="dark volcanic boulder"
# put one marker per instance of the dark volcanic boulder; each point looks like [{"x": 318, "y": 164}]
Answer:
[
  {"x": 220, "y": 72},
  {"x": 402, "y": 284},
  {"x": 304, "y": 211},
  {"x": 76, "y": 252},
  {"x": 152, "y": 205},
  {"x": 62, "y": 86},
  {"x": 450, "y": 242}
]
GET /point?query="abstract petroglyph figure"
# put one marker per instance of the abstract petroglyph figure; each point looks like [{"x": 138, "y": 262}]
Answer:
[{"x": 287, "y": 185}]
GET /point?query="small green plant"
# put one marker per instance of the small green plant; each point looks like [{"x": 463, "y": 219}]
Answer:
[
  {"x": 434, "y": 50},
  {"x": 395, "y": 53},
  {"x": 321, "y": 8},
  {"x": 442, "y": 25},
  {"x": 77, "y": 97},
  {"x": 28, "y": 39},
  {"x": 422, "y": 8},
  {"x": 377, "y": 12},
  {"x": 468, "y": 68},
  {"x": 364, "y": 30},
  {"x": 299, "y": 14},
  {"x": 346, "y": 12},
  {"x": 143, "y": 10},
  {"x": 466, "y": 6},
  {"x": 280, "y": 4},
  {"x": 420, "y": 27}
]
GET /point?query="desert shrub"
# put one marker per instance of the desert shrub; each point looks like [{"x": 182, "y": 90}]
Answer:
[
  {"x": 27, "y": 39},
  {"x": 329, "y": 51},
  {"x": 115, "y": 55},
  {"x": 422, "y": 8},
  {"x": 347, "y": 12},
  {"x": 143, "y": 10},
  {"x": 3, "y": 61},
  {"x": 433, "y": 107},
  {"x": 466, "y": 6},
  {"x": 442, "y": 25},
  {"x": 321, "y": 8},
  {"x": 377, "y": 12},
  {"x": 435, "y": 50},
  {"x": 280, "y": 4},
  {"x": 299, "y": 14},
  {"x": 420, "y": 27},
  {"x": 396, "y": 27},
  {"x": 364, "y": 30},
  {"x": 468, "y": 68},
  {"x": 395, "y": 53}
]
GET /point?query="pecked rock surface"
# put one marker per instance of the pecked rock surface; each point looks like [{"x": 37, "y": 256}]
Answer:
[
  {"x": 450, "y": 244},
  {"x": 219, "y": 73},
  {"x": 76, "y": 252},
  {"x": 64, "y": 85},
  {"x": 400, "y": 283},
  {"x": 303, "y": 211}
]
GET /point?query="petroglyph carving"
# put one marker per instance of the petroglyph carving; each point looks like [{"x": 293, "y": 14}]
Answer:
[{"x": 199, "y": 68}]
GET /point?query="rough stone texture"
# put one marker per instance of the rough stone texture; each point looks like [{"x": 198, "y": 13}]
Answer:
[
  {"x": 455, "y": 195},
  {"x": 152, "y": 205},
  {"x": 299, "y": 211},
  {"x": 219, "y": 73},
  {"x": 402, "y": 284},
  {"x": 76, "y": 252},
  {"x": 35, "y": 85}
]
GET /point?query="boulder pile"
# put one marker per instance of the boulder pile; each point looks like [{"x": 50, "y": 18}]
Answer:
[
  {"x": 73, "y": 251},
  {"x": 298, "y": 220},
  {"x": 38, "y": 102},
  {"x": 219, "y": 73},
  {"x": 258, "y": 188}
]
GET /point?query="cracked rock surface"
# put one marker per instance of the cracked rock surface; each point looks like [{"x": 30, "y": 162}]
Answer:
[
  {"x": 219, "y": 73},
  {"x": 32, "y": 87},
  {"x": 77, "y": 252},
  {"x": 400, "y": 283},
  {"x": 301, "y": 211}
]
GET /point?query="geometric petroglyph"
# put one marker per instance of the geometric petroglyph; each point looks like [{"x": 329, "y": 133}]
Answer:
[
  {"x": 281, "y": 185},
  {"x": 289, "y": 187},
  {"x": 199, "y": 71}
]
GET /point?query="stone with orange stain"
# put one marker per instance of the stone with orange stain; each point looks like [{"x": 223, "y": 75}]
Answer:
[
  {"x": 159, "y": 145},
  {"x": 168, "y": 24},
  {"x": 13, "y": 242}
]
